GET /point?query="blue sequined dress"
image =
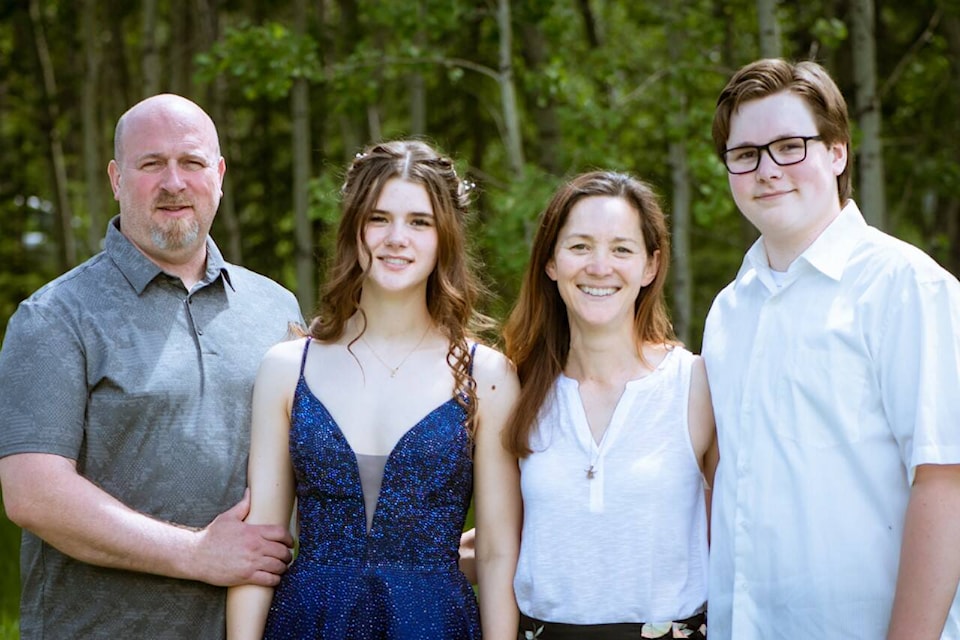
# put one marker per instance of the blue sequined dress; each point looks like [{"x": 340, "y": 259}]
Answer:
[{"x": 401, "y": 580}]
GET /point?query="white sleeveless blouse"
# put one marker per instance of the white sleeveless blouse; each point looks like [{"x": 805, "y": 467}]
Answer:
[{"x": 630, "y": 543}]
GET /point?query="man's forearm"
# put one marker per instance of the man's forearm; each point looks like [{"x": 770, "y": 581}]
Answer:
[{"x": 44, "y": 494}]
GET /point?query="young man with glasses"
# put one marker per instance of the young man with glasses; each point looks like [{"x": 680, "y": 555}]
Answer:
[{"x": 834, "y": 364}]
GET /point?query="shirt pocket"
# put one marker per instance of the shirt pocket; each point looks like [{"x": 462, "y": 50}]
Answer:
[{"x": 820, "y": 396}]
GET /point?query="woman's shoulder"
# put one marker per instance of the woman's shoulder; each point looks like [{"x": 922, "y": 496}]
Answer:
[
  {"x": 286, "y": 350},
  {"x": 492, "y": 366},
  {"x": 487, "y": 359}
]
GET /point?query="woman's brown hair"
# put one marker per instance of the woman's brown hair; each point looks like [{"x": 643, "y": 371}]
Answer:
[
  {"x": 452, "y": 288},
  {"x": 537, "y": 333}
]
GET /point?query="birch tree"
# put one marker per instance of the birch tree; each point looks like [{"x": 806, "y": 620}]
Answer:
[
  {"x": 50, "y": 116},
  {"x": 508, "y": 94},
  {"x": 92, "y": 162},
  {"x": 871, "y": 196},
  {"x": 680, "y": 187},
  {"x": 150, "y": 55},
  {"x": 300, "y": 130},
  {"x": 770, "y": 40}
]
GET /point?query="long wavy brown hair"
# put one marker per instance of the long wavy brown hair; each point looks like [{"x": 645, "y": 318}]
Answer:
[
  {"x": 452, "y": 288},
  {"x": 537, "y": 333}
]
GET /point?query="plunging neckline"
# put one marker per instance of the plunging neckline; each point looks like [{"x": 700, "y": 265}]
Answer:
[
  {"x": 388, "y": 466},
  {"x": 343, "y": 436}
]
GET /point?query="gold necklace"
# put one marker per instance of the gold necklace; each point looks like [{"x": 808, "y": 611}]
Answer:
[{"x": 393, "y": 370}]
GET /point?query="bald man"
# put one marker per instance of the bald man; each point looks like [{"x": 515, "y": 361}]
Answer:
[{"x": 124, "y": 406}]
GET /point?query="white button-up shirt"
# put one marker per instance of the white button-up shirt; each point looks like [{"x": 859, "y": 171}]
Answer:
[{"x": 829, "y": 390}]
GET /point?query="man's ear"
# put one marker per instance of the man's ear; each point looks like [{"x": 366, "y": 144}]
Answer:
[{"x": 113, "y": 170}]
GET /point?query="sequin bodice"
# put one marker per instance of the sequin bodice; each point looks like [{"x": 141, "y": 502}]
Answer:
[
  {"x": 401, "y": 579},
  {"x": 424, "y": 495}
]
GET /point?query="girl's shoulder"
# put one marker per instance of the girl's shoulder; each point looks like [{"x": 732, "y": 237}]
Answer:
[{"x": 492, "y": 366}]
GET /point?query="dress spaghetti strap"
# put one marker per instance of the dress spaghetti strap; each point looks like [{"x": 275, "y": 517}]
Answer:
[
  {"x": 303, "y": 359},
  {"x": 473, "y": 350}
]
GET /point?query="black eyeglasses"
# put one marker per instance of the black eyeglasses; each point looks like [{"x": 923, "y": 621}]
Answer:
[{"x": 783, "y": 151}]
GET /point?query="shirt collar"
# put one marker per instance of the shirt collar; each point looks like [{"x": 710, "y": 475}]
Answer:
[
  {"x": 828, "y": 254},
  {"x": 140, "y": 271}
]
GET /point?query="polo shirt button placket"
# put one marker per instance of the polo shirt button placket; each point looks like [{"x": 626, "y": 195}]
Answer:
[{"x": 189, "y": 302}]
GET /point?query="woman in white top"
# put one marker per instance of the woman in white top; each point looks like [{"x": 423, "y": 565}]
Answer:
[{"x": 613, "y": 427}]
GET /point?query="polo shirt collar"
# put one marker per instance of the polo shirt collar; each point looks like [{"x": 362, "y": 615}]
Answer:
[{"x": 140, "y": 271}]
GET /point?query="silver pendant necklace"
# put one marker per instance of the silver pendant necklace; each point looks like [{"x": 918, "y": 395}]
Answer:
[
  {"x": 393, "y": 370},
  {"x": 594, "y": 467}
]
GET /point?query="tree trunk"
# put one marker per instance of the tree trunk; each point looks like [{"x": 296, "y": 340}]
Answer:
[
  {"x": 345, "y": 42},
  {"x": 208, "y": 29},
  {"x": 871, "y": 194},
  {"x": 951, "y": 210},
  {"x": 180, "y": 49},
  {"x": 50, "y": 116},
  {"x": 417, "y": 84},
  {"x": 300, "y": 128},
  {"x": 508, "y": 95},
  {"x": 770, "y": 42},
  {"x": 589, "y": 24},
  {"x": 150, "y": 55},
  {"x": 122, "y": 94},
  {"x": 92, "y": 164},
  {"x": 547, "y": 142},
  {"x": 470, "y": 106},
  {"x": 682, "y": 312}
]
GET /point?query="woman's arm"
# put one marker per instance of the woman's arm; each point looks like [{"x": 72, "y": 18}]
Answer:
[
  {"x": 269, "y": 475},
  {"x": 499, "y": 509},
  {"x": 703, "y": 431}
]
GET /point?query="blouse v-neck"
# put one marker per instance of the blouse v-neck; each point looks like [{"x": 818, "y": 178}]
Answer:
[{"x": 570, "y": 388}]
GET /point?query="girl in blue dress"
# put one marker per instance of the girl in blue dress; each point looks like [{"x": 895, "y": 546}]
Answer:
[{"x": 380, "y": 422}]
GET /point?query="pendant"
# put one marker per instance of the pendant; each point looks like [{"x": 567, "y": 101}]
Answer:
[{"x": 591, "y": 473}]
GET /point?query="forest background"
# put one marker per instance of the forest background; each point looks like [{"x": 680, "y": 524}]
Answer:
[{"x": 521, "y": 94}]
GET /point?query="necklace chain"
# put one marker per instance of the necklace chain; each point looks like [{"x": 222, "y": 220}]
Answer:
[
  {"x": 594, "y": 457},
  {"x": 393, "y": 370}
]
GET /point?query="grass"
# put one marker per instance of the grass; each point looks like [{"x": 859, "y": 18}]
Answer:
[{"x": 9, "y": 578}]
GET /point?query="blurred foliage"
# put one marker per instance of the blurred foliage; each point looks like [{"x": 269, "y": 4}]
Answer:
[
  {"x": 605, "y": 83},
  {"x": 9, "y": 578}
]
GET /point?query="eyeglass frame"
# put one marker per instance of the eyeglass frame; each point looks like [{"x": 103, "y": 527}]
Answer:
[{"x": 766, "y": 147}]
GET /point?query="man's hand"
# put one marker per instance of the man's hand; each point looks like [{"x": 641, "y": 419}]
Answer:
[
  {"x": 468, "y": 555},
  {"x": 231, "y": 552}
]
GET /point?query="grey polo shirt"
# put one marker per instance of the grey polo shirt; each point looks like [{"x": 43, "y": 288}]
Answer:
[{"x": 148, "y": 387}]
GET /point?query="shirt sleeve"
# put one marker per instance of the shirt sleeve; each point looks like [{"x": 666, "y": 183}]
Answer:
[
  {"x": 919, "y": 365},
  {"x": 43, "y": 389}
]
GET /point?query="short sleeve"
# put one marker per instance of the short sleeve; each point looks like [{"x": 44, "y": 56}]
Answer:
[
  {"x": 43, "y": 387},
  {"x": 920, "y": 368}
]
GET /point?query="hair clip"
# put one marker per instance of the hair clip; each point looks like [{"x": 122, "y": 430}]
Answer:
[
  {"x": 360, "y": 154},
  {"x": 466, "y": 187}
]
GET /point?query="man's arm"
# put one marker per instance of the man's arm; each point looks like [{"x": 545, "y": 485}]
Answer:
[
  {"x": 930, "y": 555},
  {"x": 44, "y": 494}
]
